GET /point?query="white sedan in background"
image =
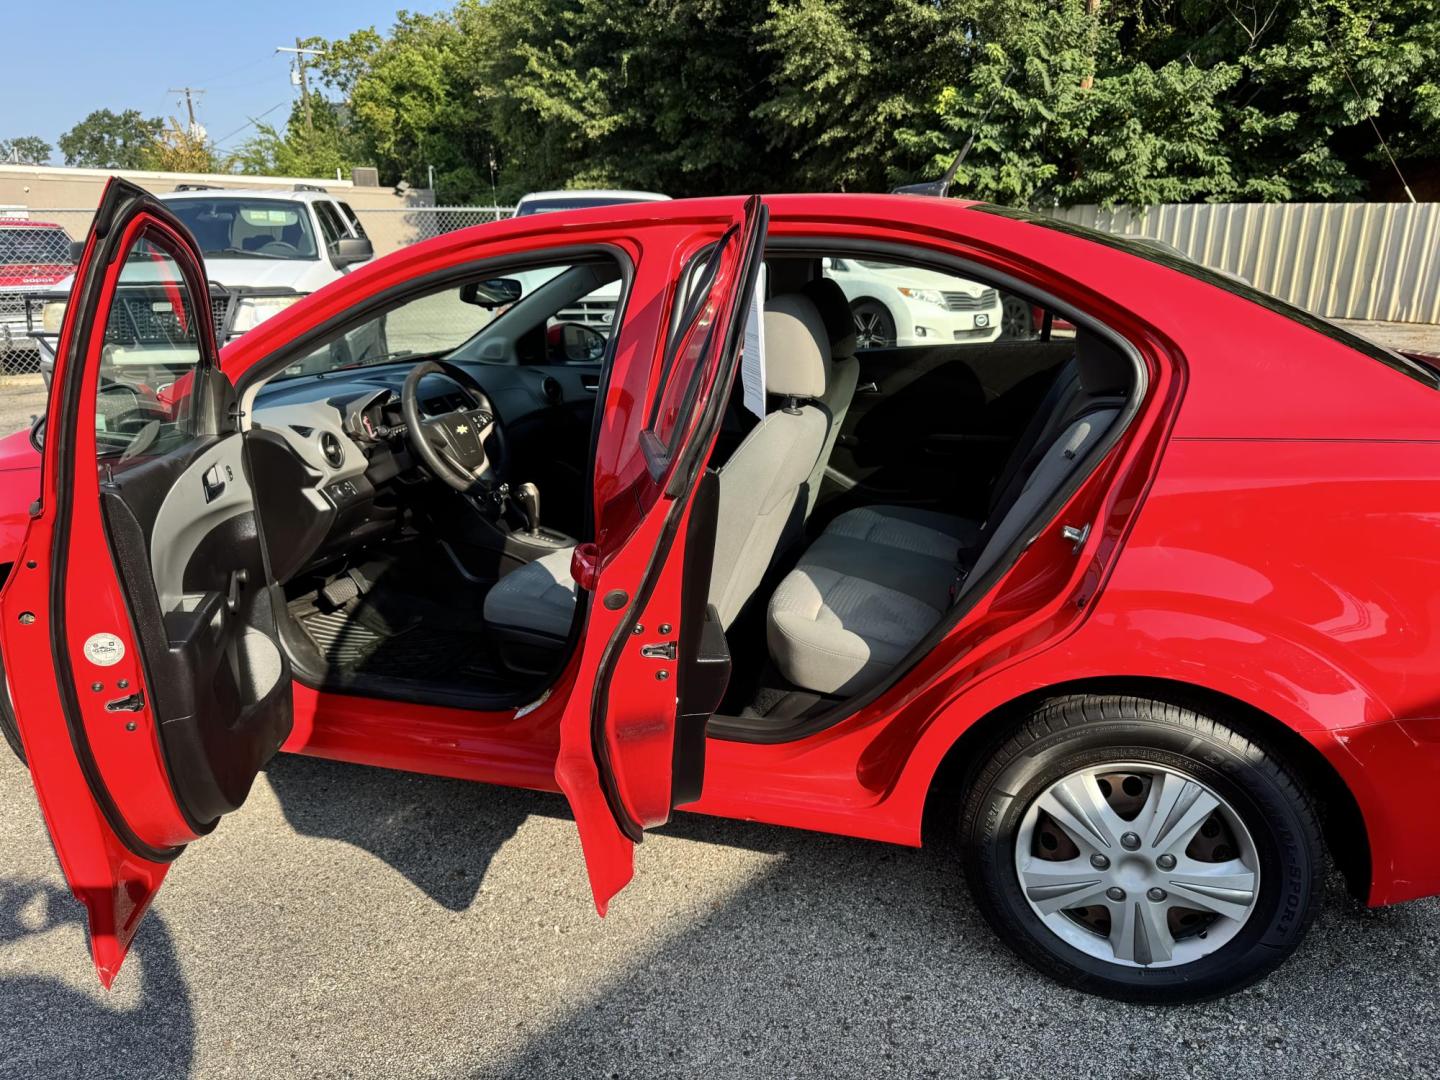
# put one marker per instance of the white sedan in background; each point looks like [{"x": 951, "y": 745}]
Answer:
[{"x": 902, "y": 305}]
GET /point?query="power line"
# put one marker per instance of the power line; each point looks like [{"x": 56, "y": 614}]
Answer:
[{"x": 248, "y": 123}]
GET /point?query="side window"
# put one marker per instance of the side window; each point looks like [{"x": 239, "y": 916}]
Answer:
[
  {"x": 331, "y": 227},
  {"x": 149, "y": 356},
  {"x": 681, "y": 368},
  {"x": 354, "y": 219},
  {"x": 900, "y": 305}
]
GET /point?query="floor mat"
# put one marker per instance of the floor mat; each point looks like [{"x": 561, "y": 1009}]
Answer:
[{"x": 352, "y": 642}]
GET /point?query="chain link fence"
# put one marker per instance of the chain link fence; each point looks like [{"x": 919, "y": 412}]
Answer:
[
  {"x": 34, "y": 258},
  {"x": 392, "y": 229}
]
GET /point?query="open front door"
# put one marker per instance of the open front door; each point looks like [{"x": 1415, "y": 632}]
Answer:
[
  {"x": 137, "y": 628},
  {"x": 655, "y": 663}
]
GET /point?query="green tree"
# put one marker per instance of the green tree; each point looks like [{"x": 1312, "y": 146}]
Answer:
[
  {"x": 411, "y": 101},
  {"x": 852, "y": 74},
  {"x": 177, "y": 147},
  {"x": 296, "y": 151},
  {"x": 25, "y": 150},
  {"x": 108, "y": 140}
]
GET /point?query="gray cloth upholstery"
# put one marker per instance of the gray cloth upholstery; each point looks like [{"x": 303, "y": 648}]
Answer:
[
  {"x": 796, "y": 347},
  {"x": 829, "y": 299},
  {"x": 538, "y": 597},
  {"x": 844, "y": 376},
  {"x": 908, "y": 528},
  {"x": 762, "y": 502},
  {"x": 763, "y": 485},
  {"x": 838, "y": 634}
]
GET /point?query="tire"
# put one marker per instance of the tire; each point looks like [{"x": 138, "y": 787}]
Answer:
[
  {"x": 1016, "y": 321},
  {"x": 1136, "y": 932},
  {"x": 874, "y": 325}
]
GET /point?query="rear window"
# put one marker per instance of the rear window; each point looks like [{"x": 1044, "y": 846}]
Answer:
[
  {"x": 34, "y": 247},
  {"x": 1174, "y": 260}
]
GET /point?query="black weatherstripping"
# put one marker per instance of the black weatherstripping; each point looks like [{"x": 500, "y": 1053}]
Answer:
[{"x": 703, "y": 664}]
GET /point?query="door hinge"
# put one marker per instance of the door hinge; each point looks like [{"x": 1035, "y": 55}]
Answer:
[
  {"x": 130, "y": 703},
  {"x": 662, "y": 650}
]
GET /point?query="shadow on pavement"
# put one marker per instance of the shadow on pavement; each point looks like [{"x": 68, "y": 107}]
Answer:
[
  {"x": 52, "y": 1029},
  {"x": 441, "y": 834},
  {"x": 845, "y": 958}
]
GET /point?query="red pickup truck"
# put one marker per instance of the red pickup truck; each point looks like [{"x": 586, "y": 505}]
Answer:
[{"x": 34, "y": 255}]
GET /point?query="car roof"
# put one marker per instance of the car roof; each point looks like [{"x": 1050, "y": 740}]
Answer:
[
  {"x": 248, "y": 193},
  {"x": 594, "y": 193},
  {"x": 26, "y": 223}
]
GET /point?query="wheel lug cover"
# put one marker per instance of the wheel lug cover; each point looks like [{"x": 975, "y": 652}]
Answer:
[
  {"x": 1099, "y": 862},
  {"x": 1130, "y": 841},
  {"x": 1156, "y": 894},
  {"x": 1115, "y": 893},
  {"x": 1166, "y": 862}
]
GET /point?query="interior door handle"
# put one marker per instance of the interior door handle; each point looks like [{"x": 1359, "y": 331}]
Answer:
[{"x": 871, "y": 387}]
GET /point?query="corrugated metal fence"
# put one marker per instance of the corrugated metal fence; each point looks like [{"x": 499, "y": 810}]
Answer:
[{"x": 1340, "y": 260}]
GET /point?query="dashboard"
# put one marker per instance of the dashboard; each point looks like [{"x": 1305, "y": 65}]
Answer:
[{"x": 331, "y": 457}]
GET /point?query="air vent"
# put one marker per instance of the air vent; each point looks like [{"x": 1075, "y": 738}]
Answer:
[
  {"x": 550, "y": 388},
  {"x": 331, "y": 448},
  {"x": 301, "y": 430}
]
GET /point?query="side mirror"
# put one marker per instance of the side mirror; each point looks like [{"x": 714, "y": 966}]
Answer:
[
  {"x": 578, "y": 343},
  {"x": 497, "y": 292},
  {"x": 77, "y": 248},
  {"x": 37, "y": 433},
  {"x": 349, "y": 250}
]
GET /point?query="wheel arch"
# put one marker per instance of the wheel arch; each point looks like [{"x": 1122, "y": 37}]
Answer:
[{"x": 1342, "y": 820}]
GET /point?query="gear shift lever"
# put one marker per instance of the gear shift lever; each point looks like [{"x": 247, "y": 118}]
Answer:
[{"x": 527, "y": 497}]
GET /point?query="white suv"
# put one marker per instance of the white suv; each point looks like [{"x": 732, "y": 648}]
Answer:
[
  {"x": 893, "y": 304},
  {"x": 264, "y": 249}
]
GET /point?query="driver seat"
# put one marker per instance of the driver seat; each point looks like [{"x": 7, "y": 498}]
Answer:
[{"x": 762, "y": 491}]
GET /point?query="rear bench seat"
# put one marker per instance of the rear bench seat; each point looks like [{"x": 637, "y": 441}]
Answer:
[{"x": 880, "y": 578}]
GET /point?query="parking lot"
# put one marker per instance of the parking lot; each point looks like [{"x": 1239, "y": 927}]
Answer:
[{"x": 353, "y": 922}]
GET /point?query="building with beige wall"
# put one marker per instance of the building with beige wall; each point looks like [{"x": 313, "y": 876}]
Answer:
[{"x": 69, "y": 197}]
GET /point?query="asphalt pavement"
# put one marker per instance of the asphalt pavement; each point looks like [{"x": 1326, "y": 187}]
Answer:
[{"x": 354, "y": 922}]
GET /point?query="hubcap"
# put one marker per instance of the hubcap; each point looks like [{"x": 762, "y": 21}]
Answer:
[
  {"x": 870, "y": 329},
  {"x": 1138, "y": 865}
]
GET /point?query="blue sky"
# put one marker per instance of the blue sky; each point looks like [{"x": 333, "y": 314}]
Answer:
[{"x": 81, "y": 55}]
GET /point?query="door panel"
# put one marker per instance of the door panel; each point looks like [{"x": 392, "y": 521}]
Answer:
[
  {"x": 932, "y": 425},
  {"x": 138, "y": 630},
  {"x": 632, "y": 734}
]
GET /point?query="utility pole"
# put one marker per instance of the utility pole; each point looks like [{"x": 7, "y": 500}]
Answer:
[
  {"x": 300, "y": 53},
  {"x": 189, "y": 102}
]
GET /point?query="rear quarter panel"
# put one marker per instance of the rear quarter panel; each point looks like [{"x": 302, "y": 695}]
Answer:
[{"x": 1286, "y": 553}]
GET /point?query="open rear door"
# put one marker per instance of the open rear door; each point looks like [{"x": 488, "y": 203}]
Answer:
[
  {"x": 137, "y": 628},
  {"x": 655, "y": 664}
]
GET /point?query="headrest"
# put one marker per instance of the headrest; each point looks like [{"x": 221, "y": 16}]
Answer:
[
  {"x": 829, "y": 298},
  {"x": 1103, "y": 368},
  {"x": 796, "y": 347}
]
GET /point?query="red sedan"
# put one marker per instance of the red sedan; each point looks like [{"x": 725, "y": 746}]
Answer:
[{"x": 1139, "y": 619}]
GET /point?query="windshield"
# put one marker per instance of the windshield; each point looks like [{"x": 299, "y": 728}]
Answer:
[
  {"x": 550, "y": 206},
  {"x": 241, "y": 228},
  {"x": 32, "y": 246}
]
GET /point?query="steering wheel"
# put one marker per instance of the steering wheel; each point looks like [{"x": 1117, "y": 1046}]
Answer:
[{"x": 464, "y": 448}]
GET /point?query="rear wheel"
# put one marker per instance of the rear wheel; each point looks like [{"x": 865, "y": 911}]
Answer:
[{"x": 1141, "y": 851}]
